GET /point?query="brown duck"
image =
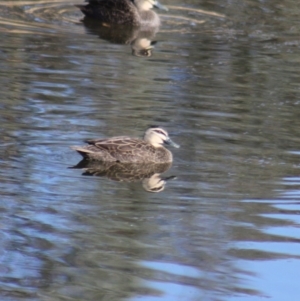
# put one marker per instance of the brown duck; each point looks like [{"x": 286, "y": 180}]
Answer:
[
  {"x": 130, "y": 150},
  {"x": 123, "y": 12}
]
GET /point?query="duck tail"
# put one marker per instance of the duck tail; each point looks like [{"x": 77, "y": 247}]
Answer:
[{"x": 82, "y": 151}]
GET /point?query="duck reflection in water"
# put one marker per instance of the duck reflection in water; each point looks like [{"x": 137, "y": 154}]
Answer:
[
  {"x": 141, "y": 40},
  {"x": 130, "y": 22},
  {"x": 148, "y": 173}
]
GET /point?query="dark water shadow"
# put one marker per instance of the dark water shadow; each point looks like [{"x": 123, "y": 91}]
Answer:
[
  {"x": 148, "y": 174},
  {"x": 140, "y": 39}
]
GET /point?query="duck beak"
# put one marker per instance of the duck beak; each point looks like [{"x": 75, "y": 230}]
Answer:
[
  {"x": 172, "y": 143},
  {"x": 160, "y": 6}
]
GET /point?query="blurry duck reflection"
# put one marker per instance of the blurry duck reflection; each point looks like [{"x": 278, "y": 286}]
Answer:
[
  {"x": 148, "y": 173},
  {"x": 139, "y": 38},
  {"x": 156, "y": 183}
]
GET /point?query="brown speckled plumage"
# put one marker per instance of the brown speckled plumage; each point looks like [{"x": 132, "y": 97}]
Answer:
[
  {"x": 122, "y": 12},
  {"x": 132, "y": 150}
]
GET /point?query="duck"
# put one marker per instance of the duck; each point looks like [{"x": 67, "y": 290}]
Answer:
[
  {"x": 134, "y": 13},
  {"x": 124, "y": 149}
]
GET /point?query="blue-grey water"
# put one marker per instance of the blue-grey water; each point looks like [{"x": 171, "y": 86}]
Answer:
[{"x": 223, "y": 79}]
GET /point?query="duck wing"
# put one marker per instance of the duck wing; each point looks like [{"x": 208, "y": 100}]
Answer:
[
  {"x": 124, "y": 149},
  {"x": 107, "y": 11},
  {"x": 118, "y": 139}
]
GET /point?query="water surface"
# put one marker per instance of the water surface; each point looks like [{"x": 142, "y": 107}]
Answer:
[{"x": 224, "y": 83}]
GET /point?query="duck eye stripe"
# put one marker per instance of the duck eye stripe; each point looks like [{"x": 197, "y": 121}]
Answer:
[{"x": 160, "y": 132}]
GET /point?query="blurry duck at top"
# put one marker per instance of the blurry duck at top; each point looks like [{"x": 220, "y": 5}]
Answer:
[{"x": 133, "y": 13}]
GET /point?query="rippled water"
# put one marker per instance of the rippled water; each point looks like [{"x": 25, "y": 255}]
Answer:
[{"x": 224, "y": 82}]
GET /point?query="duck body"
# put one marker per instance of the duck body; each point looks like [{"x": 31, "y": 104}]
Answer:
[
  {"x": 125, "y": 149},
  {"x": 123, "y": 12}
]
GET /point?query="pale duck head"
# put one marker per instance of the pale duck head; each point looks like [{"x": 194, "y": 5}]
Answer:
[
  {"x": 148, "y": 4},
  {"x": 157, "y": 136}
]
